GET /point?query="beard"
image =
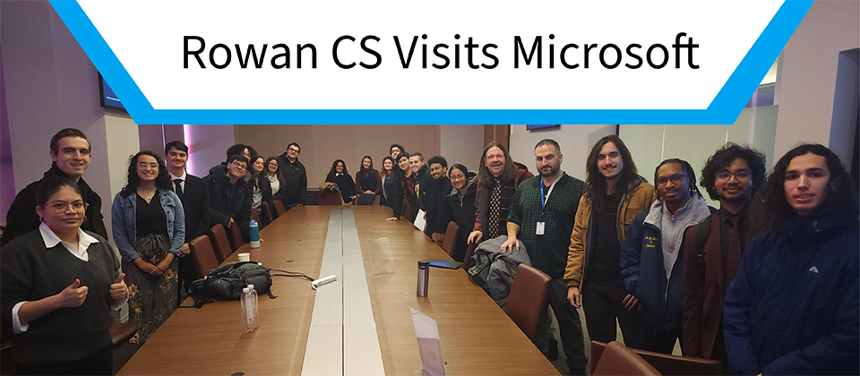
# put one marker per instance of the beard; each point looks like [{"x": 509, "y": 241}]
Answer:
[{"x": 554, "y": 170}]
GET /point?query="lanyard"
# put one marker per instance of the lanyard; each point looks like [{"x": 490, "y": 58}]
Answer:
[{"x": 543, "y": 200}]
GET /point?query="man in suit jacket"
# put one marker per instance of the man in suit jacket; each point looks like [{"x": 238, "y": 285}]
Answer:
[{"x": 194, "y": 194}]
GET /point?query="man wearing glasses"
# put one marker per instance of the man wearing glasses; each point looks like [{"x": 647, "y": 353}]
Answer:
[
  {"x": 230, "y": 195},
  {"x": 70, "y": 154},
  {"x": 651, "y": 259},
  {"x": 714, "y": 247},
  {"x": 295, "y": 176}
]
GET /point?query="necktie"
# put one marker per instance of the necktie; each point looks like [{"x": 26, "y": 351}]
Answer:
[
  {"x": 177, "y": 185},
  {"x": 495, "y": 197},
  {"x": 734, "y": 254}
]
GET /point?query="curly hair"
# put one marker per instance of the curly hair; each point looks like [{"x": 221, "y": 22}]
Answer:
[
  {"x": 724, "y": 157},
  {"x": 688, "y": 170},
  {"x": 162, "y": 181},
  {"x": 770, "y": 207}
]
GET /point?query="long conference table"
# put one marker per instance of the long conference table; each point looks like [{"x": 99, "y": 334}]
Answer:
[{"x": 477, "y": 337}]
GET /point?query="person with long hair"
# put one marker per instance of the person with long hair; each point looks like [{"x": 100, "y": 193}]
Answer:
[
  {"x": 793, "y": 306},
  {"x": 272, "y": 183},
  {"x": 651, "y": 260},
  {"x": 387, "y": 175},
  {"x": 714, "y": 248},
  {"x": 614, "y": 195},
  {"x": 498, "y": 179},
  {"x": 460, "y": 203},
  {"x": 148, "y": 223},
  {"x": 340, "y": 176},
  {"x": 367, "y": 179},
  {"x": 404, "y": 189},
  {"x": 58, "y": 285},
  {"x": 256, "y": 182}
]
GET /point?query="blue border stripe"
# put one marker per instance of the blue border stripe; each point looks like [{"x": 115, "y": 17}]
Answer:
[{"x": 724, "y": 109}]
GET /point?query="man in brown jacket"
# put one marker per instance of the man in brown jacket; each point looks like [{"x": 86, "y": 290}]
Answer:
[
  {"x": 713, "y": 248},
  {"x": 614, "y": 195}
]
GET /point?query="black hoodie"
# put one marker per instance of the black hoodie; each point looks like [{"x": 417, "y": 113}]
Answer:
[{"x": 22, "y": 215}]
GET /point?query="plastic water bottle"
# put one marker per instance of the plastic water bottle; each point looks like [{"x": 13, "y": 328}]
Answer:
[
  {"x": 250, "y": 311},
  {"x": 254, "y": 234}
]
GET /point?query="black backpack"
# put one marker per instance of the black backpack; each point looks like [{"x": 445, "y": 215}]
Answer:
[{"x": 227, "y": 281}]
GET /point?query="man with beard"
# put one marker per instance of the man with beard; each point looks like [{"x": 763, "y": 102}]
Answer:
[
  {"x": 614, "y": 195},
  {"x": 433, "y": 196},
  {"x": 715, "y": 246},
  {"x": 651, "y": 258},
  {"x": 542, "y": 216},
  {"x": 70, "y": 153},
  {"x": 498, "y": 179}
]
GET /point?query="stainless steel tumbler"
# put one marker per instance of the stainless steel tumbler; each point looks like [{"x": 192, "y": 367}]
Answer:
[{"x": 423, "y": 277}]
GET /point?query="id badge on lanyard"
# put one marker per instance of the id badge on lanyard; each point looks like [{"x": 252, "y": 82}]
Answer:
[{"x": 540, "y": 228}]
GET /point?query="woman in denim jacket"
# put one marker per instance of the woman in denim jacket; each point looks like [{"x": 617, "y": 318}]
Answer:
[{"x": 148, "y": 224}]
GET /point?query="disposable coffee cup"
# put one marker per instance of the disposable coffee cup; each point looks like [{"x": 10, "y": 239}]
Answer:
[{"x": 244, "y": 257}]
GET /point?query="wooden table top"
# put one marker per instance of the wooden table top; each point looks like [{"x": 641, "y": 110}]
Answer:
[{"x": 477, "y": 336}]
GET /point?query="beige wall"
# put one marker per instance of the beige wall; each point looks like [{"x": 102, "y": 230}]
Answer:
[
  {"x": 575, "y": 141},
  {"x": 322, "y": 144},
  {"x": 808, "y": 74}
]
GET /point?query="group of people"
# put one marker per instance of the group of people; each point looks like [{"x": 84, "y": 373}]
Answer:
[
  {"x": 768, "y": 283},
  {"x": 55, "y": 248}
]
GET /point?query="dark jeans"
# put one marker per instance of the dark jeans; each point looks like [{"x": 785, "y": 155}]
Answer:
[
  {"x": 100, "y": 363},
  {"x": 602, "y": 306},
  {"x": 569, "y": 326},
  {"x": 654, "y": 338}
]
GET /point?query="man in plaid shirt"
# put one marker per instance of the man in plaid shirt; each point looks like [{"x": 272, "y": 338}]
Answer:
[{"x": 542, "y": 216}]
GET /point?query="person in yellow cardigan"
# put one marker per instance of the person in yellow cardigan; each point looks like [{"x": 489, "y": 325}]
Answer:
[{"x": 614, "y": 195}]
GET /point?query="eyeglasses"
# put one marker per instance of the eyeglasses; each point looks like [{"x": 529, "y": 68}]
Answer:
[
  {"x": 60, "y": 206},
  {"x": 676, "y": 179},
  {"x": 239, "y": 165},
  {"x": 294, "y": 150},
  {"x": 458, "y": 177},
  {"x": 145, "y": 165},
  {"x": 739, "y": 175}
]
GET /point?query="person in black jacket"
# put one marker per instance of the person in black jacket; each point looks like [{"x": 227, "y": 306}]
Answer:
[
  {"x": 402, "y": 188},
  {"x": 70, "y": 153},
  {"x": 460, "y": 205},
  {"x": 340, "y": 176},
  {"x": 272, "y": 183},
  {"x": 367, "y": 179},
  {"x": 230, "y": 195},
  {"x": 420, "y": 177},
  {"x": 295, "y": 176},
  {"x": 194, "y": 194},
  {"x": 59, "y": 285},
  {"x": 432, "y": 194}
]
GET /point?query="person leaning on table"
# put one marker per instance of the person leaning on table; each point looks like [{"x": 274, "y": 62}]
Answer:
[{"x": 59, "y": 284}]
